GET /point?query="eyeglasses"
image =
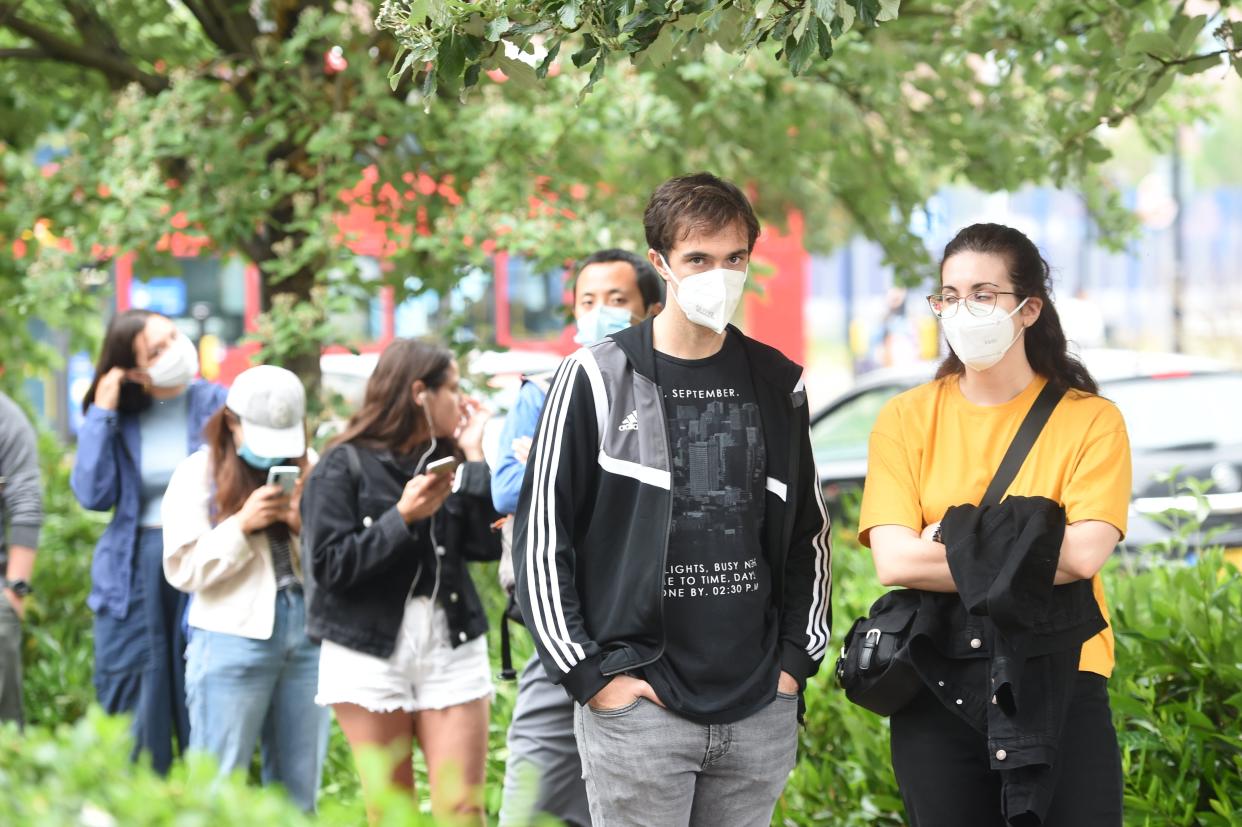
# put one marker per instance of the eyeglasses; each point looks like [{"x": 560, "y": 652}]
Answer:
[{"x": 979, "y": 303}]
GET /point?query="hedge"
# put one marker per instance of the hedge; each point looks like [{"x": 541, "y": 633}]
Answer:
[{"x": 1176, "y": 694}]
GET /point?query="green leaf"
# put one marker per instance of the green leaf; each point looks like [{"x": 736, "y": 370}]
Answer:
[
  {"x": 569, "y": 14},
  {"x": 659, "y": 52},
  {"x": 888, "y": 10},
  {"x": 541, "y": 71},
  {"x": 1201, "y": 64},
  {"x": 802, "y": 53},
  {"x": 804, "y": 20},
  {"x": 597, "y": 73},
  {"x": 587, "y": 53},
  {"x": 1154, "y": 93},
  {"x": 1152, "y": 43},
  {"x": 1185, "y": 30},
  {"x": 451, "y": 58},
  {"x": 868, "y": 11},
  {"x": 496, "y": 29},
  {"x": 845, "y": 11},
  {"x": 762, "y": 8},
  {"x": 430, "y": 81}
]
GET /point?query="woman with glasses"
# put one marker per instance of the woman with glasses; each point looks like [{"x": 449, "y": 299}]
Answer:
[{"x": 937, "y": 446}]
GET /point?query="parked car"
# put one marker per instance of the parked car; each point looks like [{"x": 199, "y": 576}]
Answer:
[{"x": 1181, "y": 413}]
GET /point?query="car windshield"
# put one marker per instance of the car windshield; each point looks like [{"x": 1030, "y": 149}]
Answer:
[
  {"x": 842, "y": 433},
  {"x": 1180, "y": 412}
]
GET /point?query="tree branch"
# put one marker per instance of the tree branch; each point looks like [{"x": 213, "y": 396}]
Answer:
[
  {"x": 238, "y": 27},
  {"x": 211, "y": 25},
  {"x": 1185, "y": 60},
  {"x": 117, "y": 69},
  {"x": 24, "y": 54}
]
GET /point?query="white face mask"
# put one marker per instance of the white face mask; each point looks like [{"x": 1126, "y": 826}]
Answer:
[
  {"x": 710, "y": 298},
  {"x": 981, "y": 341},
  {"x": 176, "y": 366}
]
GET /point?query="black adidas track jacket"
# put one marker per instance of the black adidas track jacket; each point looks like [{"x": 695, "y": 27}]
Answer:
[{"x": 592, "y": 524}]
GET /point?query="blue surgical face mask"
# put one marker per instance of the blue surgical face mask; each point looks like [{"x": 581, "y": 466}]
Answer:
[
  {"x": 601, "y": 321},
  {"x": 255, "y": 461}
]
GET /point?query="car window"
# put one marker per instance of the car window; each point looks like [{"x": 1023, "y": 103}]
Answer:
[
  {"x": 1183, "y": 412},
  {"x": 842, "y": 433}
]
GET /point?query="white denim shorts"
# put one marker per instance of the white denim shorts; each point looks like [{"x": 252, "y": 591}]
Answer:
[{"x": 424, "y": 671}]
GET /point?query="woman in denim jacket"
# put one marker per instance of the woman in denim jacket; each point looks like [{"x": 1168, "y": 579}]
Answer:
[{"x": 144, "y": 413}]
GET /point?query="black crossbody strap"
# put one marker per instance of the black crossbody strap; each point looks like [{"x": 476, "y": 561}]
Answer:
[{"x": 1022, "y": 443}]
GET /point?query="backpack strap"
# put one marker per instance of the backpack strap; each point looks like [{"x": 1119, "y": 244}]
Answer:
[{"x": 1023, "y": 441}]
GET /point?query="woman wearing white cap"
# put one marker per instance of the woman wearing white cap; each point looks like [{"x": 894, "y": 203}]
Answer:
[{"x": 231, "y": 539}]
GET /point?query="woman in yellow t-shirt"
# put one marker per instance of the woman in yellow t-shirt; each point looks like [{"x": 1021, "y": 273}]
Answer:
[{"x": 938, "y": 445}]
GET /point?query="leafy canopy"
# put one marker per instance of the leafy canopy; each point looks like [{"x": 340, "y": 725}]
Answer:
[{"x": 460, "y": 129}]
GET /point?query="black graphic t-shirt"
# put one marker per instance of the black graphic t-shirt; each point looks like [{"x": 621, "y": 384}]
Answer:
[{"x": 720, "y": 659}]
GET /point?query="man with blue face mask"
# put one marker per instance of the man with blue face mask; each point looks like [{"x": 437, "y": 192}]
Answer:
[
  {"x": 612, "y": 290},
  {"x": 671, "y": 541}
]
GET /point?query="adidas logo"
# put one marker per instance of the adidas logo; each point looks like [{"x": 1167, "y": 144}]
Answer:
[{"x": 630, "y": 423}]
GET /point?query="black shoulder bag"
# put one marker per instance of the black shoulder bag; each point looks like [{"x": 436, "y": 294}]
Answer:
[{"x": 874, "y": 668}]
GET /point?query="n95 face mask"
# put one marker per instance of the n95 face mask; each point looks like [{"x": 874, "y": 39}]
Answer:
[
  {"x": 709, "y": 298},
  {"x": 982, "y": 341},
  {"x": 176, "y": 366}
]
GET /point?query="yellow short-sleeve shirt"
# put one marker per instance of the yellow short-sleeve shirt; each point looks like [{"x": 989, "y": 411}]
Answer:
[{"x": 931, "y": 448}]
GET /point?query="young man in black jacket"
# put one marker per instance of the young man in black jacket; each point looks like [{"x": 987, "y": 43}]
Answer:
[{"x": 671, "y": 547}]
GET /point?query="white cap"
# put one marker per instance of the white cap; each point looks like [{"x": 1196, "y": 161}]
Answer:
[{"x": 271, "y": 404}]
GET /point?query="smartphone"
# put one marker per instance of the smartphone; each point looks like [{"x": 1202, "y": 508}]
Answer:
[
  {"x": 446, "y": 466},
  {"x": 286, "y": 476}
]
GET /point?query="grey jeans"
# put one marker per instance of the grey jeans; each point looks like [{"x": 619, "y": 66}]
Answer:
[
  {"x": 10, "y": 663},
  {"x": 647, "y": 767},
  {"x": 543, "y": 773}
]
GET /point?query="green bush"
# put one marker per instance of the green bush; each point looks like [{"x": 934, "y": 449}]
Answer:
[
  {"x": 1177, "y": 697},
  {"x": 1177, "y": 692},
  {"x": 844, "y": 774},
  {"x": 80, "y": 775},
  {"x": 58, "y": 656}
]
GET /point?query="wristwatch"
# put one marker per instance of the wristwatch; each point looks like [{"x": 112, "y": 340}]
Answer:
[{"x": 20, "y": 587}]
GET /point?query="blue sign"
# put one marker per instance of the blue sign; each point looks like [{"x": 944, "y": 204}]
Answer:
[{"x": 166, "y": 296}]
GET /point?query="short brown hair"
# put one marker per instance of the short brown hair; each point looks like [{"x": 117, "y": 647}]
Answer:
[{"x": 698, "y": 202}]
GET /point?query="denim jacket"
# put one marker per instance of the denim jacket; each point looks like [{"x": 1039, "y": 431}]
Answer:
[
  {"x": 1003, "y": 652},
  {"x": 107, "y": 475}
]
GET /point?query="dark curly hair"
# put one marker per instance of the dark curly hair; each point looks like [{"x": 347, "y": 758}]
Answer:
[{"x": 1046, "y": 347}]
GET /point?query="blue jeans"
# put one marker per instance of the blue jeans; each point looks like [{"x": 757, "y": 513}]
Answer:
[
  {"x": 140, "y": 658},
  {"x": 240, "y": 691}
]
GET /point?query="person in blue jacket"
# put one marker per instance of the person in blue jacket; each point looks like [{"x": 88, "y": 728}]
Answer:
[
  {"x": 144, "y": 414},
  {"x": 613, "y": 289}
]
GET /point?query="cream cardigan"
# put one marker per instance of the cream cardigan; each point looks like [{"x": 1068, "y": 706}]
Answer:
[{"x": 228, "y": 571}]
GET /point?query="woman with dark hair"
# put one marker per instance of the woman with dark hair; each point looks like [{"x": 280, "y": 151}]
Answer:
[
  {"x": 398, "y": 505},
  {"x": 938, "y": 446},
  {"x": 231, "y": 525},
  {"x": 144, "y": 413}
]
